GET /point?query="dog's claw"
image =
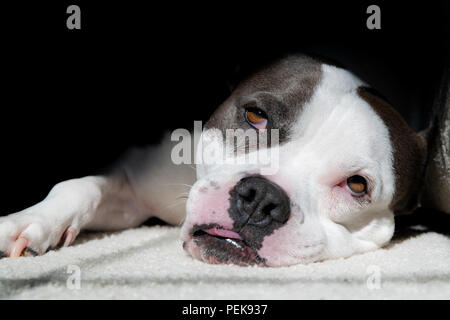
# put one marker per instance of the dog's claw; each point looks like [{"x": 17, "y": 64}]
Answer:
[
  {"x": 69, "y": 236},
  {"x": 18, "y": 247}
]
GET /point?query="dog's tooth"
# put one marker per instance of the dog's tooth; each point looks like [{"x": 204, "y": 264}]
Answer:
[{"x": 234, "y": 243}]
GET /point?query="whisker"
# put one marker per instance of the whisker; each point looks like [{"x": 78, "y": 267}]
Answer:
[
  {"x": 181, "y": 223},
  {"x": 173, "y": 205},
  {"x": 175, "y": 184}
]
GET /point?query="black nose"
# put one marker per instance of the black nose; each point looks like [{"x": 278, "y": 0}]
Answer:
[{"x": 259, "y": 202}]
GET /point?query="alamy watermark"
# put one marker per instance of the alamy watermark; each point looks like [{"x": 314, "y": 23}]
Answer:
[
  {"x": 373, "y": 281},
  {"x": 255, "y": 148},
  {"x": 74, "y": 280},
  {"x": 74, "y": 19},
  {"x": 374, "y": 20}
]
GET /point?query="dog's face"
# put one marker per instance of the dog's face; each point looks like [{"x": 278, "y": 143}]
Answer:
[{"x": 345, "y": 162}]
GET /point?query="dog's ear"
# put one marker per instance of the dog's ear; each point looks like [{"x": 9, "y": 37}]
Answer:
[
  {"x": 409, "y": 153},
  {"x": 437, "y": 174}
]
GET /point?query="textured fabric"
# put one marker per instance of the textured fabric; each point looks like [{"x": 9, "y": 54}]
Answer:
[{"x": 149, "y": 263}]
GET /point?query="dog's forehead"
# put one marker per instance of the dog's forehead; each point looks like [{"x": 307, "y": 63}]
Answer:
[
  {"x": 292, "y": 79},
  {"x": 282, "y": 88}
]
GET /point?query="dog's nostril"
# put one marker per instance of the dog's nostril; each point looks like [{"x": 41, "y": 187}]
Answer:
[
  {"x": 280, "y": 213},
  {"x": 248, "y": 194},
  {"x": 268, "y": 209}
]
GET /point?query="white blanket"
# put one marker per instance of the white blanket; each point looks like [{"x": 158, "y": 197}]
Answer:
[{"x": 149, "y": 263}]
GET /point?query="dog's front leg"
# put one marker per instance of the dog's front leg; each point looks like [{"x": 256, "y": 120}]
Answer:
[
  {"x": 93, "y": 202},
  {"x": 145, "y": 184}
]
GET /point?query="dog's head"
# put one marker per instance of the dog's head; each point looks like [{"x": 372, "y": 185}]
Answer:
[{"x": 345, "y": 163}]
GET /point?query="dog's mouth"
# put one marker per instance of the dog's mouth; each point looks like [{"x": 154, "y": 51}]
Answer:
[{"x": 217, "y": 245}]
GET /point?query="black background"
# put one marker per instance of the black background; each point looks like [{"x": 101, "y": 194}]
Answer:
[
  {"x": 73, "y": 101},
  {"x": 275, "y": 308}
]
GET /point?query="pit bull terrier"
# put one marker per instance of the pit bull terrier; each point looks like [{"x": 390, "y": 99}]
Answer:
[{"x": 346, "y": 164}]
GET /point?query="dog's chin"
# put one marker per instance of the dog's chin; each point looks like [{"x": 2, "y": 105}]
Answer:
[{"x": 216, "y": 249}]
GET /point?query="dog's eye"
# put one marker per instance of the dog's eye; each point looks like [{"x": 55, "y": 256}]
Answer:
[
  {"x": 256, "y": 118},
  {"x": 357, "y": 185}
]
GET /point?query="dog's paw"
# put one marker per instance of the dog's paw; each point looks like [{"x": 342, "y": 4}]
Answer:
[{"x": 30, "y": 234}]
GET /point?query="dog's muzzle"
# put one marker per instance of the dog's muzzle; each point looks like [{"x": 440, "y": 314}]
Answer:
[{"x": 258, "y": 206}]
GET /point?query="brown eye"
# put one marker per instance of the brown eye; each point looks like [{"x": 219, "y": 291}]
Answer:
[
  {"x": 256, "y": 118},
  {"x": 357, "y": 184}
]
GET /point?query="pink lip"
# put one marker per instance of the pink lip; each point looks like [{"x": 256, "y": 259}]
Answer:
[{"x": 223, "y": 233}]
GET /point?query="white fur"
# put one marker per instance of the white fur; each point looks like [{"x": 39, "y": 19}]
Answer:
[
  {"x": 338, "y": 130},
  {"x": 69, "y": 204}
]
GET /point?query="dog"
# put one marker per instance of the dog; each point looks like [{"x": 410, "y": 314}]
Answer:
[{"x": 347, "y": 163}]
